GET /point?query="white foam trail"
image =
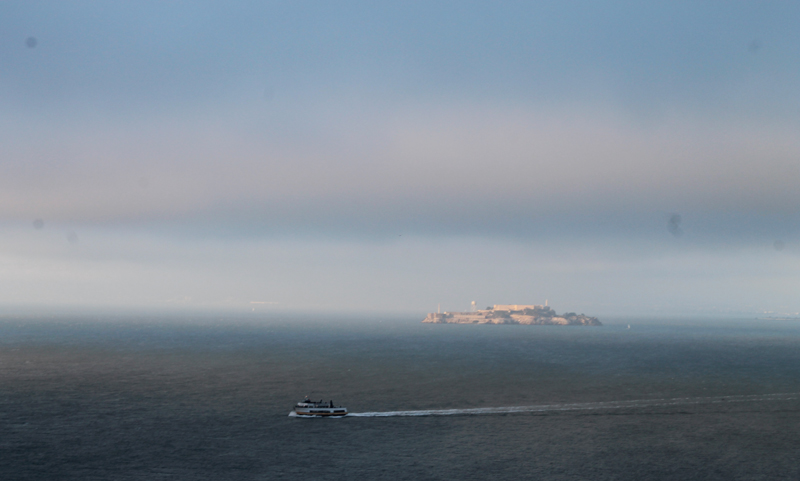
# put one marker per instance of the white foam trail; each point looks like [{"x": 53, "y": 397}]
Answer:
[{"x": 639, "y": 403}]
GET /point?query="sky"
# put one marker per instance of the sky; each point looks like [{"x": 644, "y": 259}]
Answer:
[{"x": 611, "y": 157}]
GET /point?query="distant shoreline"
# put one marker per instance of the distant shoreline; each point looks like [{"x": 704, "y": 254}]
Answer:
[{"x": 513, "y": 314}]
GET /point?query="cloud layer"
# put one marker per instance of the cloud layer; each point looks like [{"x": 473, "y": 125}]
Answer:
[{"x": 571, "y": 134}]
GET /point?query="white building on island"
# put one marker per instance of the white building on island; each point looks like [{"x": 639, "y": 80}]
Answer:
[{"x": 515, "y": 307}]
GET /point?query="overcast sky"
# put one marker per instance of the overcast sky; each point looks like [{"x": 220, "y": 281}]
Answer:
[{"x": 611, "y": 157}]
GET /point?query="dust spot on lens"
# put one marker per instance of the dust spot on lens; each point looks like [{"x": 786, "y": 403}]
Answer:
[
  {"x": 31, "y": 42},
  {"x": 778, "y": 245},
  {"x": 38, "y": 224},
  {"x": 754, "y": 46},
  {"x": 674, "y": 225},
  {"x": 72, "y": 237}
]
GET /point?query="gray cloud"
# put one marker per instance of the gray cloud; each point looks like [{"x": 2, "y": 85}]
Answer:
[{"x": 448, "y": 170}]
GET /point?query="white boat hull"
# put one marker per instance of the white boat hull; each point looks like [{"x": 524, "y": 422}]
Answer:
[{"x": 321, "y": 412}]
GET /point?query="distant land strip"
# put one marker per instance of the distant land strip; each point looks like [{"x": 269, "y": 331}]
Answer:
[{"x": 528, "y": 314}]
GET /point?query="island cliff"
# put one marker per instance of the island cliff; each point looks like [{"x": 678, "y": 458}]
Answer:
[{"x": 513, "y": 314}]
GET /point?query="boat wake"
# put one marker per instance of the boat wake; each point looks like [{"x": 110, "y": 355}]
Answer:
[{"x": 595, "y": 406}]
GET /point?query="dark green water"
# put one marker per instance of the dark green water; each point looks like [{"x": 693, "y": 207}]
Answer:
[{"x": 149, "y": 397}]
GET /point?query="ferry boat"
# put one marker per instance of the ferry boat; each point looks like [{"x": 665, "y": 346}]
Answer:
[{"x": 307, "y": 407}]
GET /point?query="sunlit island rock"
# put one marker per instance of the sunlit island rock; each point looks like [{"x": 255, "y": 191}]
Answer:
[{"x": 513, "y": 314}]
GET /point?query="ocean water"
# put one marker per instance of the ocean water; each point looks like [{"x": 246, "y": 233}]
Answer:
[{"x": 163, "y": 396}]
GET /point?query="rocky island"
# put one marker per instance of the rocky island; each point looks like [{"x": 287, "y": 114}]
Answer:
[{"x": 513, "y": 314}]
